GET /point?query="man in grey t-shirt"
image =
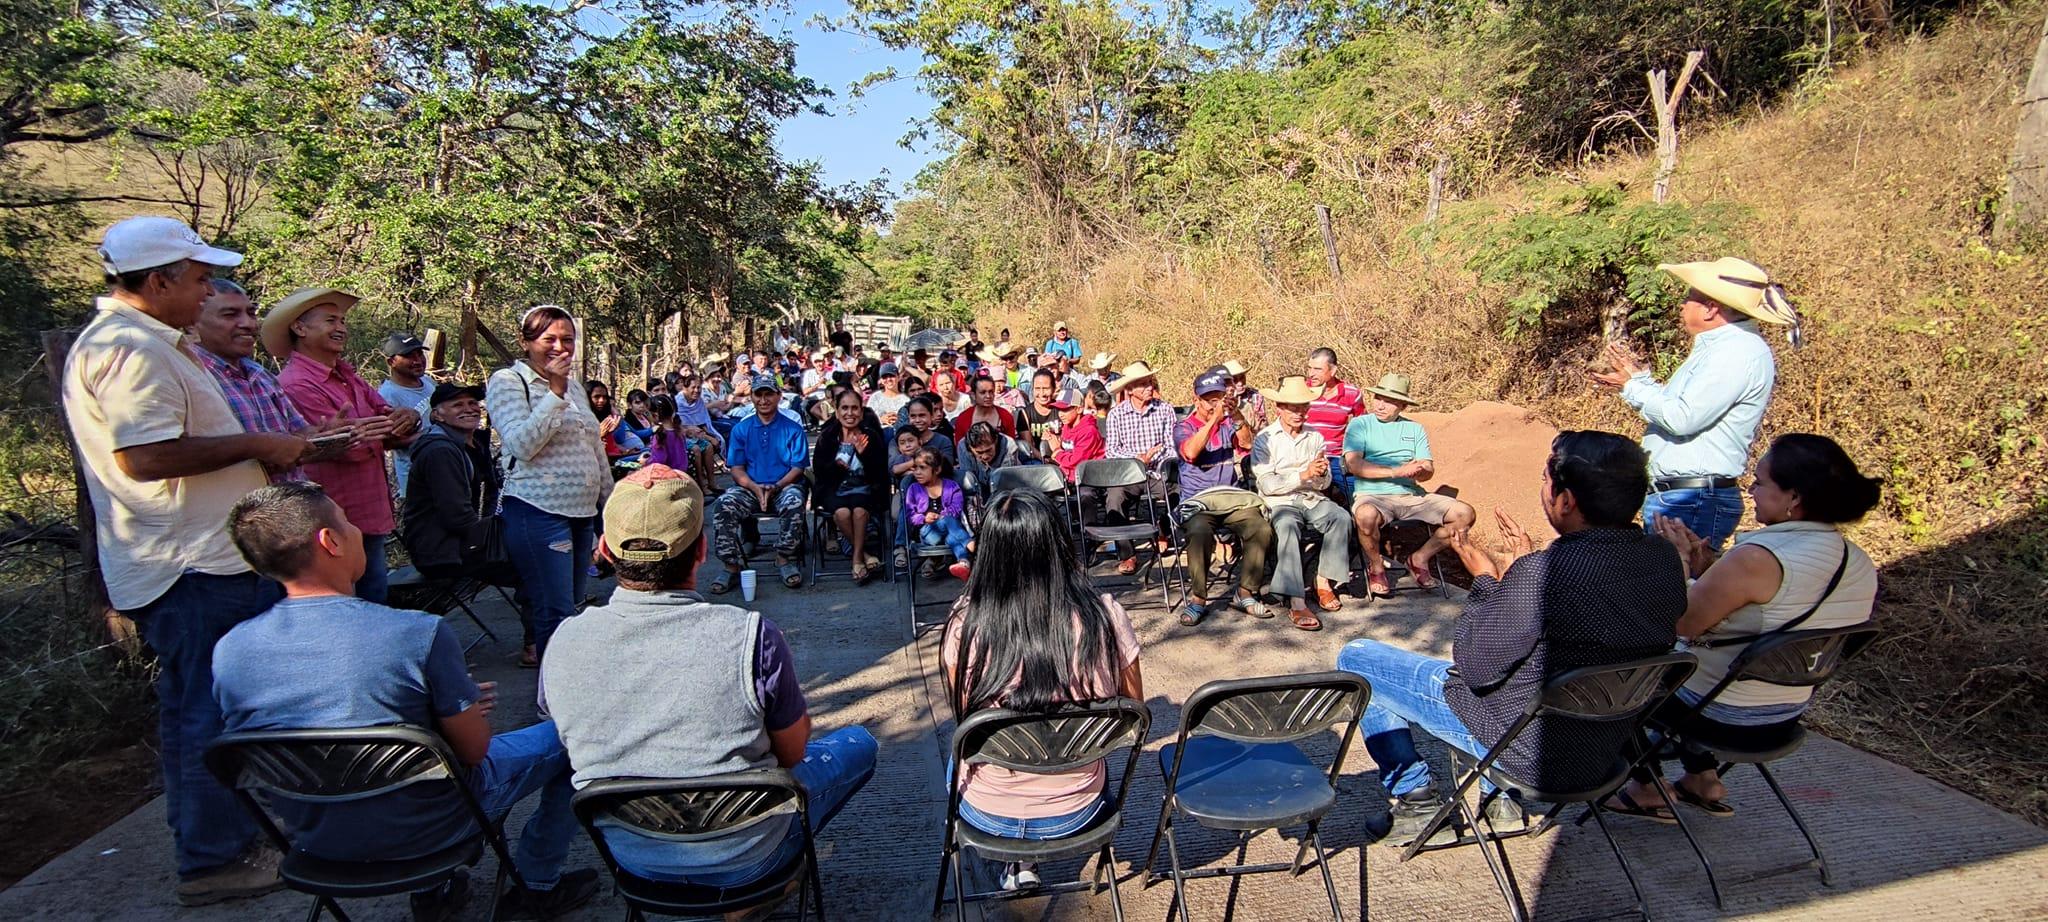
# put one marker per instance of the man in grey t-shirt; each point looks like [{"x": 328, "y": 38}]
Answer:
[
  {"x": 407, "y": 388},
  {"x": 624, "y": 709}
]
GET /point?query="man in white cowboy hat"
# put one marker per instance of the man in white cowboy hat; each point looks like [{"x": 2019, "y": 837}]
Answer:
[
  {"x": 1292, "y": 470},
  {"x": 1387, "y": 455},
  {"x": 164, "y": 460},
  {"x": 1702, "y": 421},
  {"x": 1063, "y": 342},
  {"x": 1098, "y": 371},
  {"x": 308, "y": 331},
  {"x": 1003, "y": 362},
  {"x": 1139, "y": 426}
]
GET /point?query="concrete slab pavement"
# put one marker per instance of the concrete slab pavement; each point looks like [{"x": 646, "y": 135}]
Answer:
[{"x": 1899, "y": 843}]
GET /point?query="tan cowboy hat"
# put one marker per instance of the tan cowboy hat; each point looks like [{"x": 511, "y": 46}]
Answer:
[
  {"x": 1236, "y": 368},
  {"x": 1101, "y": 361},
  {"x": 1293, "y": 389},
  {"x": 1006, "y": 350},
  {"x": 1132, "y": 373},
  {"x": 713, "y": 360},
  {"x": 277, "y": 325},
  {"x": 1738, "y": 284},
  {"x": 1394, "y": 387},
  {"x": 1048, "y": 359}
]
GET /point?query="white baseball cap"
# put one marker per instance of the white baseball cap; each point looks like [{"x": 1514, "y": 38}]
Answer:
[{"x": 148, "y": 241}]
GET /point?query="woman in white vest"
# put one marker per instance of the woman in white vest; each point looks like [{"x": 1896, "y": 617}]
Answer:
[{"x": 1798, "y": 570}]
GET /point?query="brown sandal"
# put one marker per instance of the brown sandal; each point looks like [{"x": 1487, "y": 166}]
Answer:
[
  {"x": 1127, "y": 567},
  {"x": 1376, "y": 582},
  {"x": 1326, "y": 599},
  {"x": 1303, "y": 619},
  {"x": 1420, "y": 575}
]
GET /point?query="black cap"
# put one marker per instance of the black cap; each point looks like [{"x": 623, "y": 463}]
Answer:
[
  {"x": 402, "y": 343},
  {"x": 449, "y": 390}
]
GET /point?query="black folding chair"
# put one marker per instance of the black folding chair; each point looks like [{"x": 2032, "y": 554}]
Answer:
[
  {"x": 409, "y": 588},
  {"x": 1436, "y": 563},
  {"x": 335, "y": 767},
  {"x": 1235, "y": 766},
  {"x": 697, "y": 809},
  {"x": 1792, "y": 658},
  {"x": 1623, "y": 693},
  {"x": 1104, "y": 474},
  {"x": 1067, "y": 739},
  {"x": 825, "y": 538}
]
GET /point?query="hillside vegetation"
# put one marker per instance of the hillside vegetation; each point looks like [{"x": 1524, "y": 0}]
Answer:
[{"x": 1869, "y": 194}]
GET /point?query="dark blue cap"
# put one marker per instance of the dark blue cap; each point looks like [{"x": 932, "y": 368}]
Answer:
[{"x": 1215, "y": 380}]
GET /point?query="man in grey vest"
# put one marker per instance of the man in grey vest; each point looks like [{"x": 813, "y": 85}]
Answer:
[{"x": 658, "y": 683}]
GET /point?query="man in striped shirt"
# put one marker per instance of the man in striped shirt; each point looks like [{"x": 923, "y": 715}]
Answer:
[
  {"x": 225, "y": 344},
  {"x": 1336, "y": 402}
]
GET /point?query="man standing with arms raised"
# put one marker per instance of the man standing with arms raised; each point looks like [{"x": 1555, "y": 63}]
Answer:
[
  {"x": 1702, "y": 421},
  {"x": 164, "y": 460},
  {"x": 308, "y": 331}
]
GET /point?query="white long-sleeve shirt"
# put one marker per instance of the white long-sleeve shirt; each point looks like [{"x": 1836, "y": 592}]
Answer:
[
  {"x": 1702, "y": 421},
  {"x": 1278, "y": 462}
]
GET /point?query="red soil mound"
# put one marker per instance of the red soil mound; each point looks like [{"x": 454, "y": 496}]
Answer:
[{"x": 1492, "y": 455}]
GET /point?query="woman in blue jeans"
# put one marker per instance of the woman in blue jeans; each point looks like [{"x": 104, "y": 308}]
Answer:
[
  {"x": 556, "y": 473},
  {"x": 1030, "y": 631}
]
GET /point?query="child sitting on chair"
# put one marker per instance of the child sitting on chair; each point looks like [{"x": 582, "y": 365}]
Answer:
[{"x": 936, "y": 506}]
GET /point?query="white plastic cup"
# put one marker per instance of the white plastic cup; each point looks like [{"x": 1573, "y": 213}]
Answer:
[{"x": 747, "y": 585}]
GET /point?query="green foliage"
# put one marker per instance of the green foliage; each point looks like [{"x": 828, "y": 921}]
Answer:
[{"x": 1587, "y": 252}]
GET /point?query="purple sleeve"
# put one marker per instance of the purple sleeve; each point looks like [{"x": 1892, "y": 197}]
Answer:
[
  {"x": 775, "y": 680},
  {"x": 953, "y": 500}
]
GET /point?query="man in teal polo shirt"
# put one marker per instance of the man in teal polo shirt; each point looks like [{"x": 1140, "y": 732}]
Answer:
[{"x": 1388, "y": 456}]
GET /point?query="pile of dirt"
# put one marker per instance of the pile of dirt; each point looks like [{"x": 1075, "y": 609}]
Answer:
[{"x": 1492, "y": 455}]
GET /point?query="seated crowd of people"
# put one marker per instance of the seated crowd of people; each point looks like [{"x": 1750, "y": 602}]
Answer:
[{"x": 243, "y": 520}]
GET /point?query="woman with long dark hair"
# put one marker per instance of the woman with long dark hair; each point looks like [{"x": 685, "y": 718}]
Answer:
[
  {"x": 851, "y": 467},
  {"x": 1030, "y": 632},
  {"x": 556, "y": 472},
  {"x": 1798, "y": 572}
]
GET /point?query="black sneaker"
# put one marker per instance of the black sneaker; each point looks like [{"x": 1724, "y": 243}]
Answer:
[
  {"x": 573, "y": 890},
  {"x": 443, "y": 902},
  {"x": 1411, "y": 813}
]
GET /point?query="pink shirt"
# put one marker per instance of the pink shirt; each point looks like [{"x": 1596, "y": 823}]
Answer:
[
  {"x": 999, "y": 791},
  {"x": 1329, "y": 414},
  {"x": 355, "y": 480}
]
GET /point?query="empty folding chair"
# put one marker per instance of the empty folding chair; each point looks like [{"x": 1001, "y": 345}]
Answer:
[
  {"x": 414, "y": 590},
  {"x": 1235, "y": 766},
  {"x": 1792, "y": 658},
  {"x": 1126, "y": 473},
  {"x": 1623, "y": 693},
  {"x": 1038, "y": 478},
  {"x": 333, "y": 768},
  {"x": 697, "y": 809},
  {"x": 1063, "y": 740}
]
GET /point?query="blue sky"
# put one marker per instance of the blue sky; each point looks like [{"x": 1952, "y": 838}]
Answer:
[{"x": 857, "y": 139}]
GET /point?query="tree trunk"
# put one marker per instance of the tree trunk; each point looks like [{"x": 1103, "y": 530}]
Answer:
[
  {"x": 1665, "y": 105},
  {"x": 2026, "y": 189},
  {"x": 1330, "y": 243}
]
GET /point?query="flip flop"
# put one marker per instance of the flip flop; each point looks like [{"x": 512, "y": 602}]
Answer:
[
  {"x": 1192, "y": 614},
  {"x": 1420, "y": 574},
  {"x": 1708, "y": 807},
  {"x": 1128, "y": 567},
  {"x": 724, "y": 582},
  {"x": 791, "y": 576},
  {"x": 1623, "y": 805},
  {"x": 1252, "y": 606},
  {"x": 1303, "y": 619}
]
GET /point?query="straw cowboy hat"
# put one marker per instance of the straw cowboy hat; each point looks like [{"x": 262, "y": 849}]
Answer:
[
  {"x": 1132, "y": 373},
  {"x": 1293, "y": 389},
  {"x": 1101, "y": 361},
  {"x": 1738, "y": 284},
  {"x": 1006, "y": 350},
  {"x": 713, "y": 360},
  {"x": 1394, "y": 387},
  {"x": 1236, "y": 368},
  {"x": 277, "y": 325}
]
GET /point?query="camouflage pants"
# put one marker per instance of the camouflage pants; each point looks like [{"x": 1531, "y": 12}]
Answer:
[{"x": 738, "y": 504}]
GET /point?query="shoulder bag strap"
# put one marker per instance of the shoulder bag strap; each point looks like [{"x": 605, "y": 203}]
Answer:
[{"x": 1834, "y": 581}]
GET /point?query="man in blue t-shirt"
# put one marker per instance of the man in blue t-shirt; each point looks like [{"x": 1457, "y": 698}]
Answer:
[
  {"x": 1209, "y": 443},
  {"x": 324, "y": 659},
  {"x": 1388, "y": 456},
  {"x": 1063, "y": 342},
  {"x": 766, "y": 458}
]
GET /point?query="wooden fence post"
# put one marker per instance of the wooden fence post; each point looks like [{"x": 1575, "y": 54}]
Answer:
[
  {"x": 1437, "y": 174},
  {"x": 1330, "y": 243},
  {"x": 56, "y": 347},
  {"x": 1665, "y": 104},
  {"x": 437, "y": 350},
  {"x": 646, "y": 361}
]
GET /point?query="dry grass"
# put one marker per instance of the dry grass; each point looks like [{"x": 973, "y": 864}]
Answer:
[{"x": 1869, "y": 196}]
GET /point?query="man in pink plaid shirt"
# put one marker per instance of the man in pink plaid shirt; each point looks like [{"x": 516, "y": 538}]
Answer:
[
  {"x": 310, "y": 328},
  {"x": 225, "y": 344}
]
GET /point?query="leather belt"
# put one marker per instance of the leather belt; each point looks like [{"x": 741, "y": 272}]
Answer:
[{"x": 1695, "y": 483}]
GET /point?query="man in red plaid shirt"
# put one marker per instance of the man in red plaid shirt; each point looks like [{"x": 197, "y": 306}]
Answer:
[{"x": 226, "y": 345}]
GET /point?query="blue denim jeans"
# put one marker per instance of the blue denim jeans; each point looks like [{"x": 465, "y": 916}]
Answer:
[
  {"x": 208, "y": 826},
  {"x": 552, "y": 553},
  {"x": 1033, "y": 829},
  {"x": 375, "y": 586},
  {"x": 948, "y": 531},
  {"x": 835, "y": 767},
  {"x": 519, "y": 764},
  {"x": 1711, "y": 514},
  {"x": 1406, "y": 688}
]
